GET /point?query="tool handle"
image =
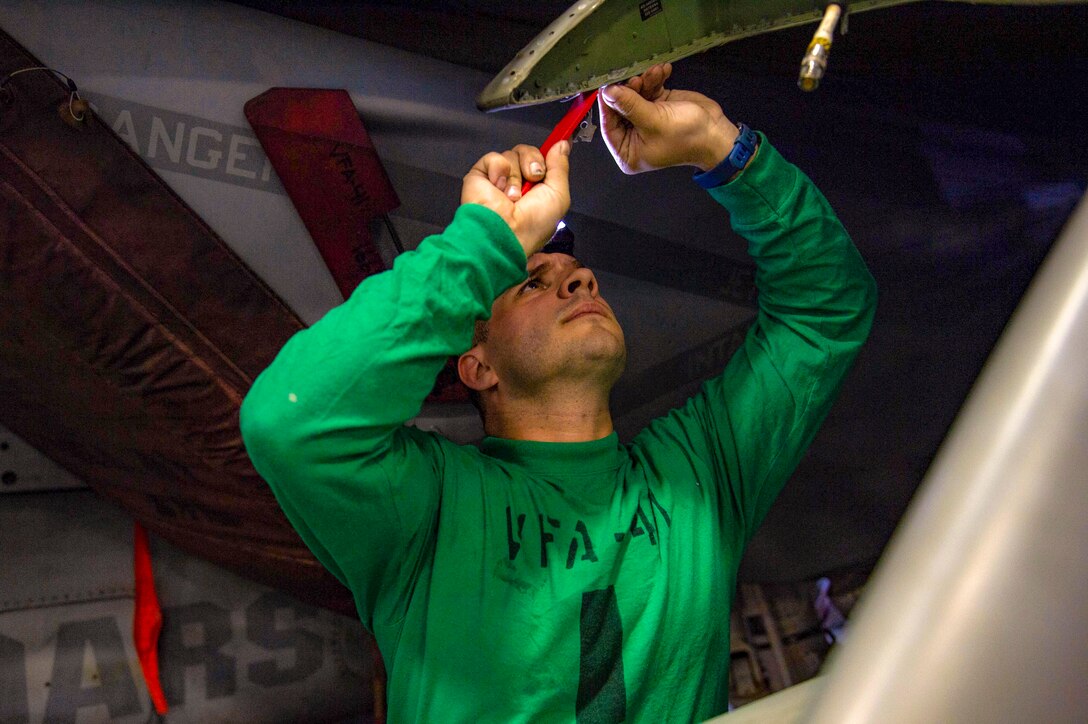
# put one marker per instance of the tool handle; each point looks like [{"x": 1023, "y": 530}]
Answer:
[{"x": 566, "y": 127}]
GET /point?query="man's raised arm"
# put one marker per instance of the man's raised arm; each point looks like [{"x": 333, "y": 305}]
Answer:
[
  {"x": 751, "y": 425},
  {"x": 324, "y": 423}
]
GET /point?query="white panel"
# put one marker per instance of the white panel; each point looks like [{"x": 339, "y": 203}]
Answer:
[
  {"x": 977, "y": 611},
  {"x": 23, "y": 469}
]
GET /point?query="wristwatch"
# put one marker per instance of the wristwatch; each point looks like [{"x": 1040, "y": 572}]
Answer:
[{"x": 743, "y": 148}]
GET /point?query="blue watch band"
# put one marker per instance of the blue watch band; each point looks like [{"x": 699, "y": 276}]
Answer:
[{"x": 743, "y": 148}]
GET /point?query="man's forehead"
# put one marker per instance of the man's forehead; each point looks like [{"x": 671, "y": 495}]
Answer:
[{"x": 540, "y": 262}]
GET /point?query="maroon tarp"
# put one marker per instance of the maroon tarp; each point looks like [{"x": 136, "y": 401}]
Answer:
[{"x": 129, "y": 333}]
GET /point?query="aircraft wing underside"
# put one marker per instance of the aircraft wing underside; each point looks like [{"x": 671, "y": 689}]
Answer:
[{"x": 607, "y": 41}]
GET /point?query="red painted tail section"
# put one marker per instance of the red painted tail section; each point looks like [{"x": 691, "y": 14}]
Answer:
[{"x": 331, "y": 170}]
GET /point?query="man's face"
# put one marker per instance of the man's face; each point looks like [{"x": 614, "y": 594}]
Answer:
[{"x": 554, "y": 326}]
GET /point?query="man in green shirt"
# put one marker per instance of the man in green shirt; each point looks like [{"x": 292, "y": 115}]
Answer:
[{"x": 553, "y": 573}]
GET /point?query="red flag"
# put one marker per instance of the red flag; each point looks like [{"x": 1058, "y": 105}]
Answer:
[{"x": 147, "y": 619}]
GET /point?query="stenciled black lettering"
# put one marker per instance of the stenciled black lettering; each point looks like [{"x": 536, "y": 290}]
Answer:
[
  {"x": 13, "y": 701},
  {"x": 514, "y": 545},
  {"x": 340, "y": 154},
  {"x": 111, "y": 681},
  {"x": 649, "y": 525},
  {"x": 587, "y": 543},
  {"x": 602, "y": 694},
  {"x": 545, "y": 537},
  {"x": 646, "y": 523},
  {"x": 655, "y": 504},
  {"x": 219, "y": 669},
  {"x": 261, "y": 629}
]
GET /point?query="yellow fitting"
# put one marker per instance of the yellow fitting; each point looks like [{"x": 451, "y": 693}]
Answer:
[{"x": 814, "y": 63}]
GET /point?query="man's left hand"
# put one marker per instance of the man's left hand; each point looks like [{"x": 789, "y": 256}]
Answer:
[{"x": 647, "y": 126}]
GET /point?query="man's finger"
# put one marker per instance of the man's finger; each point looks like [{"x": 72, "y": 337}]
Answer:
[
  {"x": 628, "y": 104},
  {"x": 558, "y": 163},
  {"x": 610, "y": 120},
  {"x": 653, "y": 81},
  {"x": 496, "y": 167},
  {"x": 613, "y": 128},
  {"x": 513, "y": 175},
  {"x": 531, "y": 161}
]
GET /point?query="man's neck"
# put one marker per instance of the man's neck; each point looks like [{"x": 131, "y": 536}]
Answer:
[{"x": 558, "y": 416}]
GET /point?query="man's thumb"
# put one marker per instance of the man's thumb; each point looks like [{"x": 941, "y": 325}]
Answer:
[
  {"x": 627, "y": 103},
  {"x": 558, "y": 164}
]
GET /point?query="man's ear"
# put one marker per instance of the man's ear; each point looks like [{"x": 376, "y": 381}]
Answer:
[{"x": 474, "y": 370}]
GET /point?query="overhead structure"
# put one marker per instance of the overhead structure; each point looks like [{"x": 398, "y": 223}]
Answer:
[{"x": 596, "y": 42}]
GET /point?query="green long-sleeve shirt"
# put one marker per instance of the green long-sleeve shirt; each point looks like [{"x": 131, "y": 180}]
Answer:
[{"x": 553, "y": 581}]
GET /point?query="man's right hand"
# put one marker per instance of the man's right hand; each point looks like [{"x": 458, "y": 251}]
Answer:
[{"x": 495, "y": 182}]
